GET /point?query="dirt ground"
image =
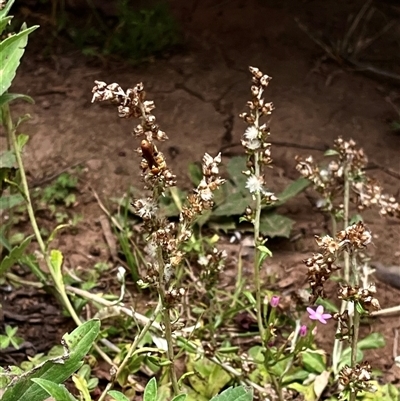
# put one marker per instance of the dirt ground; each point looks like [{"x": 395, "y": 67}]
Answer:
[{"x": 199, "y": 93}]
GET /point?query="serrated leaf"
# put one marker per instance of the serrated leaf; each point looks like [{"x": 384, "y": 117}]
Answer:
[
  {"x": 15, "y": 254},
  {"x": 6, "y": 98},
  {"x": 275, "y": 225},
  {"x": 150, "y": 392},
  {"x": 240, "y": 393},
  {"x": 56, "y": 370},
  {"x": 57, "y": 391},
  {"x": 11, "y": 50},
  {"x": 118, "y": 396}
]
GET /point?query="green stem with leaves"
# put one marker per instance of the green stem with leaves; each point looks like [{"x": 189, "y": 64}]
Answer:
[{"x": 14, "y": 144}]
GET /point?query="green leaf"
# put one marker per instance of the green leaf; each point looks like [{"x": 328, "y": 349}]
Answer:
[
  {"x": 22, "y": 140},
  {"x": 180, "y": 397},
  {"x": 6, "y": 98},
  {"x": 150, "y": 392},
  {"x": 56, "y": 260},
  {"x": 4, "y": 341},
  {"x": 6, "y": 9},
  {"x": 118, "y": 396},
  {"x": 235, "y": 169},
  {"x": 9, "y": 201},
  {"x": 3, "y": 23},
  {"x": 295, "y": 375},
  {"x": 275, "y": 225},
  {"x": 57, "y": 391},
  {"x": 331, "y": 152},
  {"x": 240, "y": 393},
  {"x": 328, "y": 305},
  {"x": 15, "y": 255},
  {"x": 55, "y": 231},
  {"x": 11, "y": 51},
  {"x": 306, "y": 391},
  {"x": 56, "y": 370},
  {"x": 195, "y": 173},
  {"x": 291, "y": 191},
  {"x": 223, "y": 224},
  {"x": 313, "y": 361},
  {"x": 372, "y": 341},
  {"x": 345, "y": 358},
  {"x": 210, "y": 378},
  {"x": 7, "y": 159},
  {"x": 11, "y": 331},
  {"x": 264, "y": 253},
  {"x": 234, "y": 204}
]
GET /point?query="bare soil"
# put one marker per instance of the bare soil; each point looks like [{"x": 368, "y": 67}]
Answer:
[{"x": 199, "y": 93}]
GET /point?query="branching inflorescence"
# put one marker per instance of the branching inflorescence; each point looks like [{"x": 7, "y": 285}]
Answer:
[
  {"x": 329, "y": 181},
  {"x": 165, "y": 238}
]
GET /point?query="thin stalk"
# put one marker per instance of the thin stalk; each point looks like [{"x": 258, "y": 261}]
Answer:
[
  {"x": 257, "y": 173},
  {"x": 277, "y": 387},
  {"x": 132, "y": 349},
  {"x": 167, "y": 324},
  {"x": 333, "y": 225},
  {"x": 338, "y": 345},
  {"x": 12, "y": 139},
  {"x": 354, "y": 341},
  {"x": 346, "y": 206},
  {"x": 8, "y": 126}
]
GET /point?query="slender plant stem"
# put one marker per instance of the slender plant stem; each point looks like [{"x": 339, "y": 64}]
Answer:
[
  {"x": 334, "y": 224},
  {"x": 12, "y": 138},
  {"x": 346, "y": 206},
  {"x": 133, "y": 348},
  {"x": 257, "y": 279},
  {"x": 354, "y": 342},
  {"x": 167, "y": 323},
  {"x": 277, "y": 387},
  {"x": 338, "y": 345}
]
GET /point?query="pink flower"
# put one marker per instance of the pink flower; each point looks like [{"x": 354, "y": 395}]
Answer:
[
  {"x": 318, "y": 314},
  {"x": 303, "y": 331},
  {"x": 275, "y": 301}
]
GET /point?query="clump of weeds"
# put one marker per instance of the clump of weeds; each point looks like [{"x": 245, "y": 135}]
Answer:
[{"x": 200, "y": 338}]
